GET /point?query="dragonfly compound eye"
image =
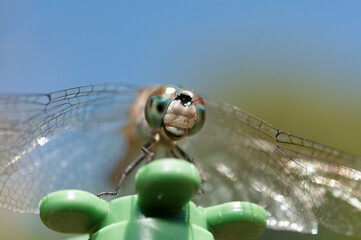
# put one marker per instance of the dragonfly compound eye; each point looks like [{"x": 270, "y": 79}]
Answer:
[
  {"x": 157, "y": 104},
  {"x": 200, "y": 115}
]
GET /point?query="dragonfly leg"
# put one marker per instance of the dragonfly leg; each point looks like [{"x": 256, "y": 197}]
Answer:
[
  {"x": 189, "y": 159},
  {"x": 146, "y": 153},
  {"x": 145, "y": 148},
  {"x": 175, "y": 154},
  {"x": 184, "y": 154}
]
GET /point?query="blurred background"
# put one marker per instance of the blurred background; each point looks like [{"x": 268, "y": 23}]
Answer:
[{"x": 294, "y": 64}]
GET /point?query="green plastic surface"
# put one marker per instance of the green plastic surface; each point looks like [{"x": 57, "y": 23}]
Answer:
[
  {"x": 237, "y": 219},
  {"x": 166, "y": 186},
  {"x": 73, "y": 211},
  {"x": 161, "y": 210}
]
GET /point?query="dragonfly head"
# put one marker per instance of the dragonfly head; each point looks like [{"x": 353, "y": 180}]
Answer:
[{"x": 177, "y": 112}]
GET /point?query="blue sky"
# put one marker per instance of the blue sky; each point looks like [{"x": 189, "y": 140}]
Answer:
[{"x": 50, "y": 45}]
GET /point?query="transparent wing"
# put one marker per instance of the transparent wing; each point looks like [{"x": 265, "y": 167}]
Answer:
[
  {"x": 299, "y": 182},
  {"x": 65, "y": 139}
]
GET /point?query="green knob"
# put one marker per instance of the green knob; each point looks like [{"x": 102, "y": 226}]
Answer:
[
  {"x": 73, "y": 211},
  {"x": 236, "y": 220},
  {"x": 164, "y": 187}
]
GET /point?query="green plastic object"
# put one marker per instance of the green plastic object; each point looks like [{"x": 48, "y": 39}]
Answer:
[{"x": 161, "y": 210}]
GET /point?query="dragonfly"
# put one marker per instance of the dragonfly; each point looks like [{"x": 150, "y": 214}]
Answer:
[{"x": 84, "y": 138}]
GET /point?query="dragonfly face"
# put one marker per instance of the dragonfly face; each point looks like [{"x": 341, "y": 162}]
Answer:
[
  {"x": 179, "y": 113},
  {"x": 171, "y": 111}
]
